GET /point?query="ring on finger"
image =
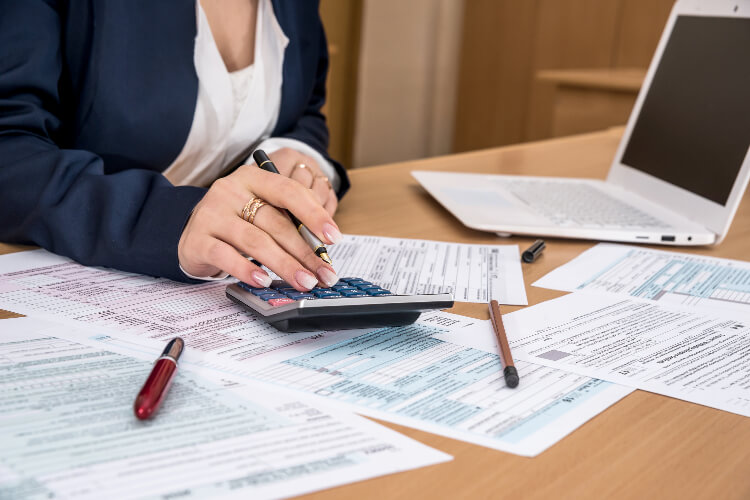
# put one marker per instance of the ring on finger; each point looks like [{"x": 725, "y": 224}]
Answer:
[
  {"x": 305, "y": 167},
  {"x": 301, "y": 166},
  {"x": 251, "y": 208},
  {"x": 326, "y": 179}
]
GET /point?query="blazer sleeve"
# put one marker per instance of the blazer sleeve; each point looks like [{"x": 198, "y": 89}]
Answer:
[
  {"x": 61, "y": 199},
  {"x": 311, "y": 127}
]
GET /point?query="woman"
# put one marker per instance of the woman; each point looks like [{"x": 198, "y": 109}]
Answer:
[{"x": 103, "y": 103}]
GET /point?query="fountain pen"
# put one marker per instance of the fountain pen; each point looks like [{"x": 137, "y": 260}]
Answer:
[{"x": 264, "y": 162}]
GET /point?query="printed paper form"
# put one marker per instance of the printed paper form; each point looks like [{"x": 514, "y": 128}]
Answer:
[
  {"x": 685, "y": 353},
  {"x": 68, "y": 430},
  {"x": 415, "y": 376},
  {"x": 153, "y": 310},
  {"x": 45, "y": 285},
  {"x": 397, "y": 379},
  {"x": 669, "y": 277},
  {"x": 407, "y": 376},
  {"x": 472, "y": 273}
]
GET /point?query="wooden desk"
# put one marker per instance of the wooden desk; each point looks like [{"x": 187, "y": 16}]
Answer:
[{"x": 645, "y": 446}]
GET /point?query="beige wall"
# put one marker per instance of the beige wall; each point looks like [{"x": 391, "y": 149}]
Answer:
[
  {"x": 507, "y": 43},
  {"x": 407, "y": 79}
]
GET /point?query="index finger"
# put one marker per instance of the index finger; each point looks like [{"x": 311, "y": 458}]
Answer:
[{"x": 284, "y": 192}]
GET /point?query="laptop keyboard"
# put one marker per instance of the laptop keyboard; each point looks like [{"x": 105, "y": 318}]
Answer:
[{"x": 568, "y": 204}]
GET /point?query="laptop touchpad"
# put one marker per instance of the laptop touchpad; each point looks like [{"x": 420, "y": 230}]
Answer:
[{"x": 477, "y": 197}]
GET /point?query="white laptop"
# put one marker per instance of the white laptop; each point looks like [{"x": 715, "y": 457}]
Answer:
[{"x": 683, "y": 163}]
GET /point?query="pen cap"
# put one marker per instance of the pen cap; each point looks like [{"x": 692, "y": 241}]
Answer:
[
  {"x": 533, "y": 251},
  {"x": 174, "y": 348}
]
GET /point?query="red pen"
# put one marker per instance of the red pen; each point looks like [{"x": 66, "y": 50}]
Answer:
[{"x": 157, "y": 384}]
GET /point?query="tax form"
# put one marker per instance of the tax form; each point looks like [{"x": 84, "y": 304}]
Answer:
[
  {"x": 419, "y": 377},
  {"x": 409, "y": 376},
  {"x": 668, "y": 277},
  {"x": 39, "y": 283},
  {"x": 140, "y": 311},
  {"x": 686, "y": 353},
  {"x": 422, "y": 377},
  {"x": 472, "y": 273},
  {"x": 68, "y": 431}
]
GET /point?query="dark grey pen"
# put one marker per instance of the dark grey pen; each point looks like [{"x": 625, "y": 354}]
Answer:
[{"x": 264, "y": 162}]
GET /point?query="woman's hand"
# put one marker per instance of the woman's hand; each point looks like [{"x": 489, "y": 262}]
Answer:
[
  {"x": 216, "y": 237},
  {"x": 306, "y": 171}
]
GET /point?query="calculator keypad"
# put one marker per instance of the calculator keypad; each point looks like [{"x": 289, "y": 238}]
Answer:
[{"x": 281, "y": 294}]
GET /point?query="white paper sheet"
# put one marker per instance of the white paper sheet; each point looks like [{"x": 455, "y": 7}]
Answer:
[
  {"x": 472, "y": 273},
  {"x": 673, "y": 350},
  {"x": 145, "y": 312},
  {"x": 668, "y": 277},
  {"x": 41, "y": 284},
  {"x": 415, "y": 376},
  {"x": 67, "y": 429}
]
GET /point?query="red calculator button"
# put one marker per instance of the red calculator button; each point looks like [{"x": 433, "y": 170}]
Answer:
[{"x": 280, "y": 302}]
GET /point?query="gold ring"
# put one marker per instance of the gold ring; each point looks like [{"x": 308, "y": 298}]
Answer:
[
  {"x": 328, "y": 181},
  {"x": 304, "y": 166},
  {"x": 251, "y": 208},
  {"x": 299, "y": 165}
]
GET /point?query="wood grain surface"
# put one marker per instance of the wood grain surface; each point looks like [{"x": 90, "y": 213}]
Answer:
[{"x": 645, "y": 446}]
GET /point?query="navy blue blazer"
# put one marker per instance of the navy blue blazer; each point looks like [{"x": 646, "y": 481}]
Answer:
[{"x": 97, "y": 98}]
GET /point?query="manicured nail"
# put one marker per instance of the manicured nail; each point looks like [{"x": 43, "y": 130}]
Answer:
[
  {"x": 332, "y": 233},
  {"x": 327, "y": 276},
  {"x": 305, "y": 280},
  {"x": 261, "y": 278}
]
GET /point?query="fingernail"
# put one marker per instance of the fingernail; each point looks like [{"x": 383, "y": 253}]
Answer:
[
  {"x": 327, "y": 276},
  {"x": 261, "y": 279},
  {"x": 305, "y": 280},
  {"x": 332, "y": 233}
]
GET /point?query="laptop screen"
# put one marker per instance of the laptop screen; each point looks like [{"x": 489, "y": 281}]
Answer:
[{"x": 693, "y": 129}]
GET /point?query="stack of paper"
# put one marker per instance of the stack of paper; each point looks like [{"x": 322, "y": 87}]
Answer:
[
  {"x": 68, "y": 431},
  {"x": 667, "y": 322},
  {"x": 410, "y": 375}
]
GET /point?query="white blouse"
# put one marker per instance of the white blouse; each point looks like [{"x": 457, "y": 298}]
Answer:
[{"x": 234, "y": 110}]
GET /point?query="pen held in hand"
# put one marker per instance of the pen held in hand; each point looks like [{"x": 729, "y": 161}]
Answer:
[
  {"x": 509, "y": 372},
  {"x": 264, "y": 162}
]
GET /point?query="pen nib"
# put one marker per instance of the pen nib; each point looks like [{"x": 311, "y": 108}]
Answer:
[{"x": 326, "y": 258}]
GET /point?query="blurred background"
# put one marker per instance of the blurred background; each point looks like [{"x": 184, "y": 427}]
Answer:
[{"x": 418, "y": 78}]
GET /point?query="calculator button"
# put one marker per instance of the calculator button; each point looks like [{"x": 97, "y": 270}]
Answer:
[
  {"x": 286, "y": 289},
  {"x": 378, "y": 293},
  {"x": 270, "y": 296},
  {"x": 325, "y": 293},
  {"x": 261, "y": 291},
  {"x": 341, "y": 288},
  {"x": 300, "y": 295},
  {"x": 251, "y": 288},
  {"x": 368, "y": 286},
  {"x": 280, "y": 302},
  {"x": 353, "y": 293}
]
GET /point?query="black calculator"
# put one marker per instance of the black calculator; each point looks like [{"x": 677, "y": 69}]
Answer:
[{"x": 350, "y": 303}]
